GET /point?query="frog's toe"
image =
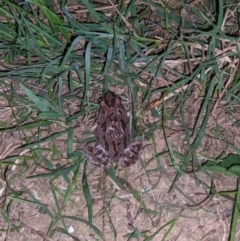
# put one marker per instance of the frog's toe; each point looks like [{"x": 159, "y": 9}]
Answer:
[
  {"x": 131, "y": 154},
  {"x": 97, "y": 155}
]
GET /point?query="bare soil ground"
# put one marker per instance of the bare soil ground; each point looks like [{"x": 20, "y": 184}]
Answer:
[
  {"x": 198, "y": 214},
  {"x": 190, "y": 210}
]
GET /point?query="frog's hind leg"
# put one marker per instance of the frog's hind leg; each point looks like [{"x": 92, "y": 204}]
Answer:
[
  {"x": 97, "y": 155},
  {"x": 130, "y": 154}
]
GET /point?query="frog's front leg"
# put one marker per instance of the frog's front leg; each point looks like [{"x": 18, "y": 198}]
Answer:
[
  {"x": 97, "y": 154},
  {"x": 131, "y": 154}
]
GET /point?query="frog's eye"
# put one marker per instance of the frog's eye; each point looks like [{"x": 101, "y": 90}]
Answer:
[
  {"x": 100, "y": 99},
  {"x": 118, "y": 97}
]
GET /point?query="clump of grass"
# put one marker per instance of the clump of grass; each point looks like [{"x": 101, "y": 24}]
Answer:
[{"x": 164, "y": 59}]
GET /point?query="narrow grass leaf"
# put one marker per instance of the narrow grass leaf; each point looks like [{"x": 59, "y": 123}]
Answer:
[
  {"x": 53, "y": 19},
  {"x": 70, "y": 49},
  {"x": 236, "y": 212},
  {"x": 87, "y": 68},
  {"x": 229, "y": 165},
  {"x": 50, "y": 115},
  {"x": 92, "y": 10},
  {"x": 43, "y": 207},
  {"x": 37, "y": 100},
  {"x": 136, "y": 233},
  {"x": 87, "y": 194},
  {"x": 70, "y": 143},
  {"x": 54, "y": 190},
  {"x": 170, "y": 149},
  {"x": 49, "y": 138},
  {"x": 71, "y": 185},
  {"x": 171, "y": 223},
  {"x": 57, "y": 172},
  {"x": 207, "y": 105},
  {"x": 12, "y": 197}
]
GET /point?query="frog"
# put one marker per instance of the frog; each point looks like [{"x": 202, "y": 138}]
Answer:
[{"x": 113, "y": 143}]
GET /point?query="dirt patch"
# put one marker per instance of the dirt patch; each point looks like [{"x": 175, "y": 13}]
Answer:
[{"x": 194, "y": 211}]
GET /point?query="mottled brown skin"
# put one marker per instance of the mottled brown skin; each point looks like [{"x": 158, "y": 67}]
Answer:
[{"x": 113, "y": 135}]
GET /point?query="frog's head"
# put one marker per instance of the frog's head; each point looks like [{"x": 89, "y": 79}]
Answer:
[{"x": 109, "y": 100}]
